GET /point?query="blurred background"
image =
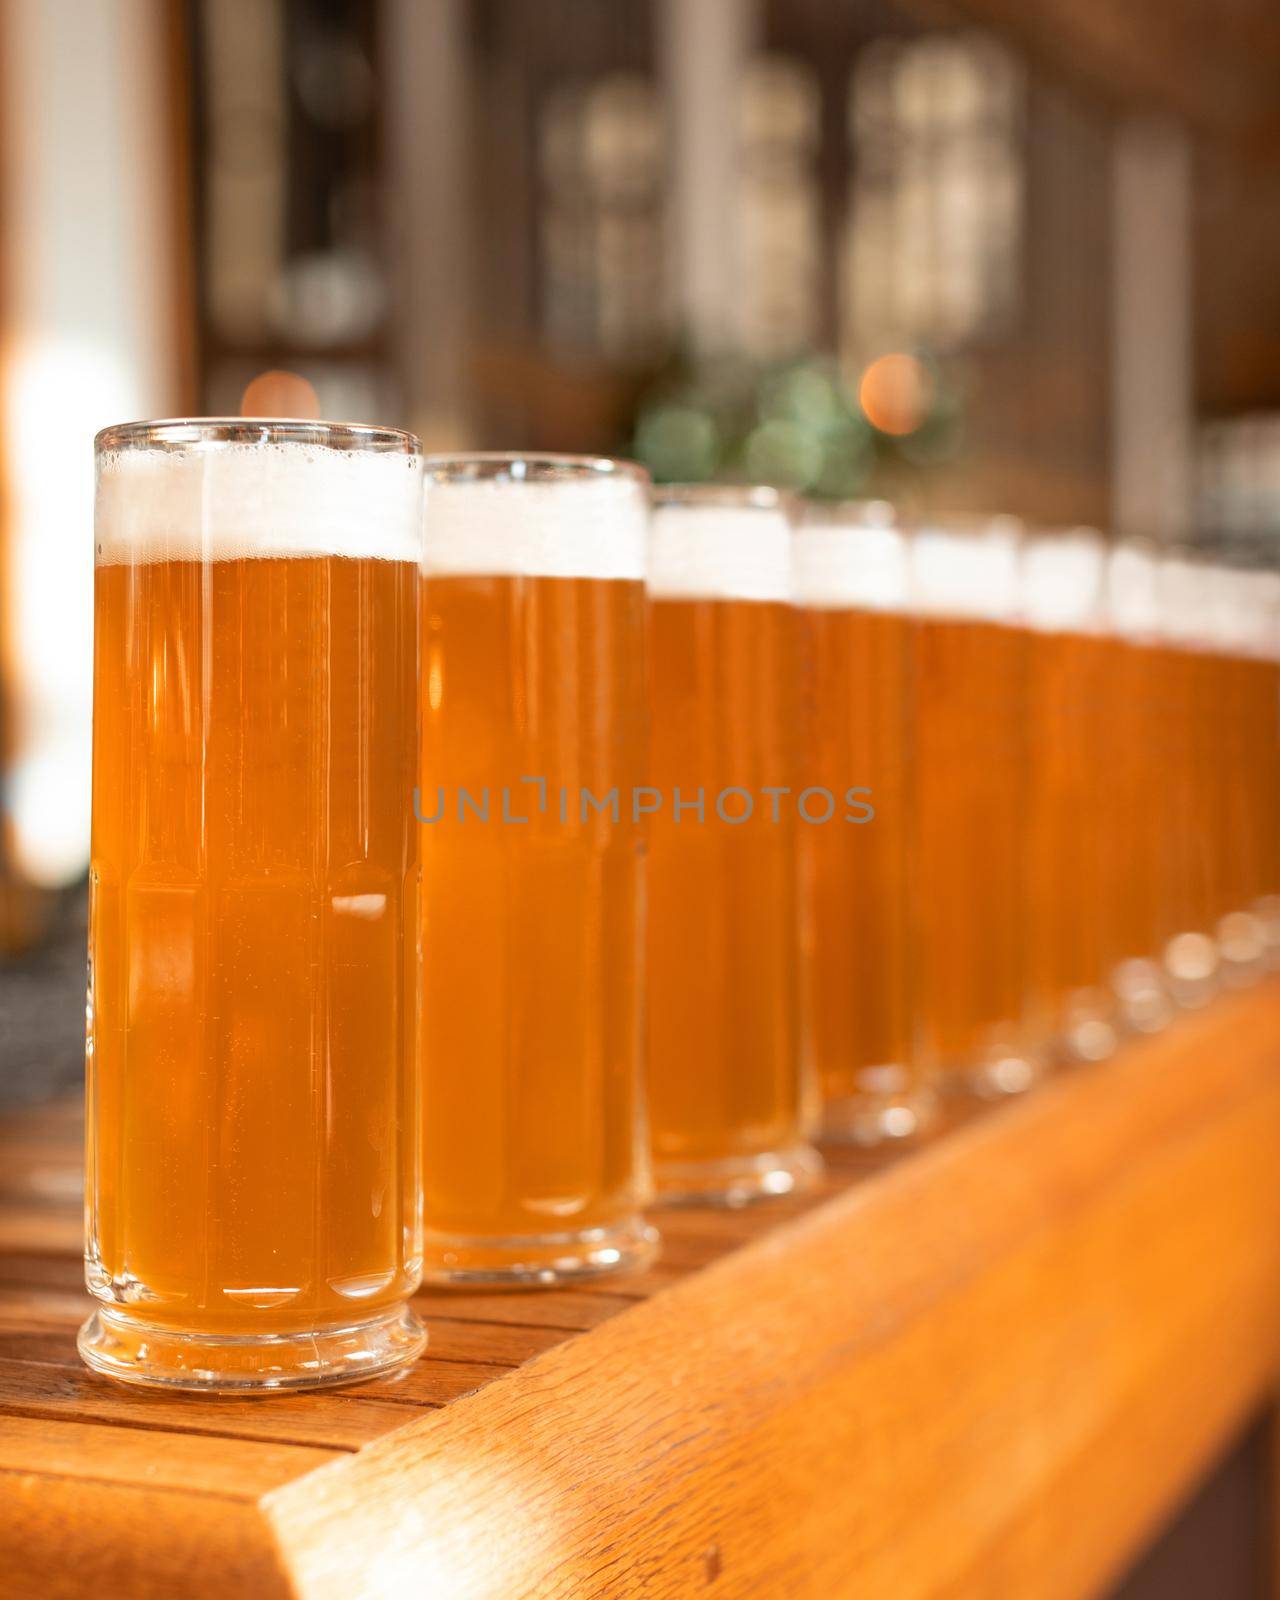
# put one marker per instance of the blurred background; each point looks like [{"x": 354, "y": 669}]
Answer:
[{"x": 990, "y": 254}]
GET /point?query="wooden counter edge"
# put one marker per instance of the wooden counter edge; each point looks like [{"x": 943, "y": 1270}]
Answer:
[{"x": 999, "y": 1363}]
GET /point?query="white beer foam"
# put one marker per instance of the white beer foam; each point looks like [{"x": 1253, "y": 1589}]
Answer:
[
  {"x": 1133, "y": 592},
  {"x": 967, "y": 573},
  {"x": 578, "y": 527},
  {"x": 1221, "y": 617},
  {"x": 1062, "y": 581},
  {"x": 224, "y": 501},
  {"x": 1241, "y": 618},
  {"x": 711, "y": 551},
  {"x": 1183, "y": 602},
  {"x": 854, "y": 565},
  {"x": 1266, "y": 615}
]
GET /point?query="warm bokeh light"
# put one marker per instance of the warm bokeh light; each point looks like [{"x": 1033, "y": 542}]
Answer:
[
  {"x": 895, "y": 393},
  {"x": 280, "y": 394}
]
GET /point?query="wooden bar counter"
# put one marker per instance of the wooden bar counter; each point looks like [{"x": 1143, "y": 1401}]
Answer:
[{"x": 989, "y": 1366}]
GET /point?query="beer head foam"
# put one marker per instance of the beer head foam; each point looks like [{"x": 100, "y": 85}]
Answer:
[
  {"x": 1240, "y": 615},
  {"x": 967, "y": 571},
  {"x": 1265, "y": 606},
  {"x": 217, "y": 500},
  {"x": 1062, "y": 581},
  {"x": 1132, "y": 591},
  {"x": 1218, "y": 599},
  {"x": 720, "y": 549},
  {"x": 579, "y": 525},
  {"x": 1183, "y": 605},
  {"x": 854, "y": 561}
]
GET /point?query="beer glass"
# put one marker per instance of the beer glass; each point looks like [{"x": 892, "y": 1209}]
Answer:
[
  {"x": 533, "y": 745},
  {"x": 252, "y": 1166},
  {"x": 732, "y": 1099},
  {"x": 1232, "y": 772},
  {"x": 1186, "y": 720},
  {"x": 857, "y": 956},
  {"x": 1264, "y": 724},
  {"x": 1069, "y": 955},
  {"x": 971, "y": 808},
  {"x": 1136, "y": 815}
]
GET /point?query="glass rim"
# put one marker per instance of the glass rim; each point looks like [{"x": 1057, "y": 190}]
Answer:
[
  {"x": 181, "y": 433},
  {"x": 970, "y": 525},
  {"x": 1038, "y": 534},
  {"x": 868, "y": 514},
  {"x": 540, "y": 466},
  {"x": 743, "y": 496}
]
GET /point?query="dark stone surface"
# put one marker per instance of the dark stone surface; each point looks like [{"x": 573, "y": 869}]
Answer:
[{"x": 42, "y": 1000}]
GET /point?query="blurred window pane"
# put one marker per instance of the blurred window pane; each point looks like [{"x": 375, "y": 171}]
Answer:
[
  {"x": 933, "y": 238},
  {"x": 779, "y": 207},
  {"x": 601, "y": 221}
]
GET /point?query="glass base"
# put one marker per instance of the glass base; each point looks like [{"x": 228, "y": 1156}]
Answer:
[
  {"x": 1191, "y": 969},
  {"x": 738, "y": 1180},
  {"x": 245, "y": 1364},
  {"x": 1142, "y": 1000},
  {"x": 869, "y": 1118},
  {"x": 538, "y": 1261},
  {"x": 1242, "y": 949},
  {"x": 1267, "y": 911},
  {"x": 1003, "y": 1073},
  {"x": 1088, "y": 1030}
]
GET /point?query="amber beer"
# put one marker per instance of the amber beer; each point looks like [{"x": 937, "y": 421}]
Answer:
[
  {"x": 1136, "y": 816},
  {"x": 533, "y": 741},
  {"x": 1070, "y": 950},
  {"x": 857, "y": 968},
  {"x": 252, "y": 1161},
  {"x": 1264, "y": 739},
  {"x": 731, "y": 1097},
  {"x": 971, "y": 808}
]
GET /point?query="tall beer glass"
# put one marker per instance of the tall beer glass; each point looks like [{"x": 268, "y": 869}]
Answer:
[
  {"x": 857, "y": 951},
  {"x": 1186, "y": 722},
  {"x": 1234, "y": 773},
  {"x": 533, "y": 741},
  {"x": 1265, "y": 741},
  {"x": 252, "y": 1166},
  {"x": 731, "y": 1097},
  {"x": 1070, "y": 959},
  {"x": 1136, "y": 815},
  {"x": 971, "y": 811}
]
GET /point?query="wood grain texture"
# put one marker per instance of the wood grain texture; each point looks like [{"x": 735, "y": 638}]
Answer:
[
  {"x": 990, "y": 1370},
  {"x": 990, "y": 1366}
]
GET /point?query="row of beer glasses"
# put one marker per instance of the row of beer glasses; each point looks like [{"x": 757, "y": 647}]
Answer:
[{"x": 458, "y": 881}]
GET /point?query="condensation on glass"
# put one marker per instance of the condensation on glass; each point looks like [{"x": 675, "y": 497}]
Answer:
[{"x": 253, "y": 1197}]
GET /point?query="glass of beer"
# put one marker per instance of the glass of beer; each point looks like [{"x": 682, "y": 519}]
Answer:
[
  {"x": 252, "y": 1190},
  {"x": 1264, "y": 741},
  {"x": 970, "y": 814},
  {"x": 1186, "y": 717},
  {"x": 1136, "y": 814},
  {"x": 1228, "y": 696},
  {"x": 1070, "y": 960},
  {"x": 858, "y": 971},
  {"x": 533, "y": 745},
  {"x": 732, "y": 1097}
]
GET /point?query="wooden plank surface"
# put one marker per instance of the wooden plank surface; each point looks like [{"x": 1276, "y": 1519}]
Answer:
[{"x": 991, "y": 1365}]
